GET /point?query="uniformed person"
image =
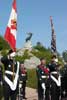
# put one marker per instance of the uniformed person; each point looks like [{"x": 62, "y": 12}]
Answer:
[
  {"x": 11, "y": 75},
  {"x": 43, "y": 84},
  {"x": 55, "y": 79},
  {"x": 1, "y": 74},
  {"x": 24, "y": 79},
  {"x": 64, "y": 82}
]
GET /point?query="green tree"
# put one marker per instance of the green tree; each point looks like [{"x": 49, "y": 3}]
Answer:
[
  {"x": 23, "y": 57},
  {"x": 64, "y": 54},
  {"x": 40, "y": 51},
  {"x": 3, "y": 44}
]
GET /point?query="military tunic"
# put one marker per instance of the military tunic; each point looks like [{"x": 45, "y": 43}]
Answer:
[
  {"x": 23, "y": 79},
  {"x": 64, "y": 82},
  {"x": 55, "y": 82},
  {"x": 42, "y": 76},
  {"x": 11, "y": 76}
]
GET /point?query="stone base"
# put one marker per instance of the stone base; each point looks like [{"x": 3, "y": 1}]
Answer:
[{"x": 28, "y": 45}]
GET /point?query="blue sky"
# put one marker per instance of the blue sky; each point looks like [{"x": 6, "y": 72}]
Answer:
[{"x": 34, "y": 16}]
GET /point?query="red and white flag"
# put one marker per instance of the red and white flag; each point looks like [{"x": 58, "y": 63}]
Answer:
[{"x": 10, "y": 34}]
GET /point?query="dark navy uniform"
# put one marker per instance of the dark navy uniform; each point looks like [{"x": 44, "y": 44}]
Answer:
[
  {"x": 42, "y": 76},
  {"x": 55, "y": 81},
  {"x": 64, "y": 82},
  {"x": 10, "y": 82},
  {"x": 24, "y": 79},
  {"x": 1, "y": 75}
]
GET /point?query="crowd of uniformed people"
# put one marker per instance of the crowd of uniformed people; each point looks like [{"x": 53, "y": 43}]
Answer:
[{"x": 51, "y": 84}]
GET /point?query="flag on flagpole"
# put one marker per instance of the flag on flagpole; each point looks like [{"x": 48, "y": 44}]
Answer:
[
  {"x": 53, "y": 40},
  {"x": 10, "y": 34}
]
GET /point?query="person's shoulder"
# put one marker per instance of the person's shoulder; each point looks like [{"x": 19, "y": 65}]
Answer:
[
  {"x": 4, "y": 59},
  {"x": 48, "y": 65},
  {"x": 37, "y": 68}
]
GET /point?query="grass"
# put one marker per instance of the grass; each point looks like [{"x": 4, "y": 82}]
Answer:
[{"x": 32, "y": 78}]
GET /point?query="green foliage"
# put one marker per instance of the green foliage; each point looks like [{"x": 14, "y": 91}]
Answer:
[
  {"x": 60, "y": 61},
  {"x": 19, "y": 58},
  {"x": 22, "y": 58},
  {"x": 64, "y": 54},
  {"x": 40, "y": 47},
  {"x": 32, "y": 78},
  {"x": 26, "y": 55},
  {"x": 42, "y": 52},
  {"x": 4, "y": 52},
  {"x": 3, "y": 44}
]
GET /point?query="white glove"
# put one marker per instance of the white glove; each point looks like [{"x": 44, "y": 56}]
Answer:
[{"x": 43, "y": 86}]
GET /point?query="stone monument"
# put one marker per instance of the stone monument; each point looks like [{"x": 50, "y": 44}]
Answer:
[{"x": 28, "y": 44}]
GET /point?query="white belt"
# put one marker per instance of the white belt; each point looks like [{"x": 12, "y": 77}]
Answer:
[
  {"x": 13, "y": 85},
  {"x": 54, "y": 72},
  {"x": 23, "y": 75},
  {"x": 45, "y": 76},
  {"x": 9, "y": 72}
]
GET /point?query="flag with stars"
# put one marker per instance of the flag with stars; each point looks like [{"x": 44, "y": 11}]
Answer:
[{"x": 53, "y": 40}]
